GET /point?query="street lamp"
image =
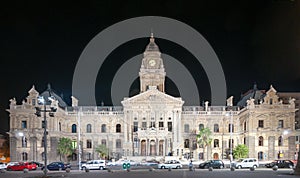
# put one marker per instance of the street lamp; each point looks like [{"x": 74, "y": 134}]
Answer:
[
  {"x": 231, "y": 141},
  {"x": 51, "y": 111}
]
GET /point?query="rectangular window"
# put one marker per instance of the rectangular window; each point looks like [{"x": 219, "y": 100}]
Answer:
[
  {"x": 118, "y": 143},
  {"x": 186, "y": 128},
  {"x": 33, "y": 102},
  {"x": 144, "y": 125},
  {"x": 152, "y": 124},
  {"x": 24, "y": 125},
  {"x": 161, "y": 125},
  {"x": 230, "y": 143},
  {"x": 135, "y": 126},
  {"x": 103, "y": 142},
  {"x": 43, "y": 124},
  {"x": 170, "y": 126},
  {"x": 280, "y": 124},
  {"x": 89, "y": 144},
  {"x": 74, "y": 144},
  {"x": 230, "y": 128},
  {"x": 261, "y": 123}
]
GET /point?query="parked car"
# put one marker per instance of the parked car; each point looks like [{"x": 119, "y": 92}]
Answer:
[
  {"x": 21, "y": 166},
  {"x": 173, "y": 164},
  {"x": 247, "y": 163},
  {"x": 280, "y": 164},
  {"x": 57, "y": 166},
  {"x": 94, "y": 164},
  {"x": 212, "y": 163},
  {"x": 38, "y": 164},
  {"x": 2, "y": 165}
]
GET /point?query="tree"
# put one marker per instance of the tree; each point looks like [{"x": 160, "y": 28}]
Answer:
[
  {"x": 240, "y": 151},
  {"x": 102, "y": 150},
  {"x": 65, "y": 147},
  {"x": 204, "y": 138}
]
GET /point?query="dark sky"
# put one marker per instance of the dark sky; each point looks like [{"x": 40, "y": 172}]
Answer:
[{"x": 40, "y": 43}]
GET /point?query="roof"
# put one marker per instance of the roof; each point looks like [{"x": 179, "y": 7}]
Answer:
[
  {"x": 254, "y": 93},
  {"x": 49, "y": 92}
]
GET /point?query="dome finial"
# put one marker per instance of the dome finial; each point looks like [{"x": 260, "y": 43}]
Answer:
[
  {"x": 49, "y": 86},
  {"x": 151, "y": 36}
]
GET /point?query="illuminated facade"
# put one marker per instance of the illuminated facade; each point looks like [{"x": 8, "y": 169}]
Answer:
[{"x": 156, "y": 125}]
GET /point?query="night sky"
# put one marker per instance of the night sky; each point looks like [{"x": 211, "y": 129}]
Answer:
[{"x": 40, "y": 43}]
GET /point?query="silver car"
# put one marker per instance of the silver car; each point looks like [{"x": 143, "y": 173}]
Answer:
[{"x": 173, "y": 164}]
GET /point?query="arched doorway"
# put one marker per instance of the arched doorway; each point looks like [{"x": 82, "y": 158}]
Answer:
[
  {"x": 143, "y": 147},
  {"x": 216, "y": 156},
  {"x": 152, "y": 148},
  {"x": 161, "y": 148}
]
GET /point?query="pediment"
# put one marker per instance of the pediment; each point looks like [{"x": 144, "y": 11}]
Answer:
[{"x": 152, "y": 96}]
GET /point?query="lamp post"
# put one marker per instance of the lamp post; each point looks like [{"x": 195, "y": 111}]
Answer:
[
  {"x": 230, "y": 140},
  {"x": 51, "y": 111},
  {"x": 231, "y": 117}
]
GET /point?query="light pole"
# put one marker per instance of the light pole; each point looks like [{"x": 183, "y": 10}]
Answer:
[
  {"x": 51, "y": 111},
  {"x": 230, "y": 140},
  {"x": 79, "y": 139},
  {"x": 231, "y": 115}
]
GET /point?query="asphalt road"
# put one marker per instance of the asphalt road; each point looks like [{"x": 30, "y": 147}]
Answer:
[{"x": 145, "y": 173}]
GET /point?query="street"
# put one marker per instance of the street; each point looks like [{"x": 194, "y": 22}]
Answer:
[{"x": 145, "y": 173}]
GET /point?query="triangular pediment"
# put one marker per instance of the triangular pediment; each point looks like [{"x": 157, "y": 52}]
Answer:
[{"x": 152, "y": 95}]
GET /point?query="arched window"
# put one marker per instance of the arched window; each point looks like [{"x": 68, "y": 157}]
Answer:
[
  {"x": 260, "y": 141},
  {"x": 88, "y": 128},
  {"x": 118, "y": 128},
  {"x": 260, "y": 155},
  {"x": 103, "y": 128},
  {"x": 216, "y": 127},
  {"x": 186, "y": 143},
  {"x": 88, "y": 143},
  {"x": 186, "y": 128},
  {"x": 74, "y": 128},
  {"x": 245, "y": 126},
  {"x": 24, "y": 156},
  {"x": 59, "y": 126},
  {"x": 280, "y": 141},
  {"x": 24, "y": 142},
  {"x": 216, "y": 143},
  {"x": 230, "y": 126},
  {"x": 201, "y": 126}
]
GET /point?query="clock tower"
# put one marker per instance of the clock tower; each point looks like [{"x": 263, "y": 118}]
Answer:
[{"x": 152, "y": 71}]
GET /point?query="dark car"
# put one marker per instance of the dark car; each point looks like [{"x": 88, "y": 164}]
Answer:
[
  {"x": 57, "y": 166},
  {"x": 280, "y": 164},
  {"x": 212, "y": 163}
]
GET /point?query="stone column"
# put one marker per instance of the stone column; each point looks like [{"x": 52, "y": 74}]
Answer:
[
  {"x": 291, "y": 148},
  {"x": 13, "y": 149},
  {"x": 52, "y": 154},
  {"x": 252, "y": 153},
  {"x": 271, "y": 148},
  {"x": 33, "y": 149}
]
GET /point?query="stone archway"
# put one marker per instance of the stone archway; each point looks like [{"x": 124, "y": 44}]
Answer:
[
  {"x": 152, "y": 148},
  {"x": 143, "y": 147}
]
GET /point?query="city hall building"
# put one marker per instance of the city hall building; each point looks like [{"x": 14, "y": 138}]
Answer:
[{"x": 155, "y": 125}]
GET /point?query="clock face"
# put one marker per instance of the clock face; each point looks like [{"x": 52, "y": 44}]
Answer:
[{"x": 152, "y": 62}]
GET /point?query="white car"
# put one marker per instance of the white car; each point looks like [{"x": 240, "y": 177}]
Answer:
[
  {"x": 173, "y": 164},
  {"x": 247, "y": 163},
  {"x": 94, "y": 164},
  {"x": 2, "y": 165}
]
